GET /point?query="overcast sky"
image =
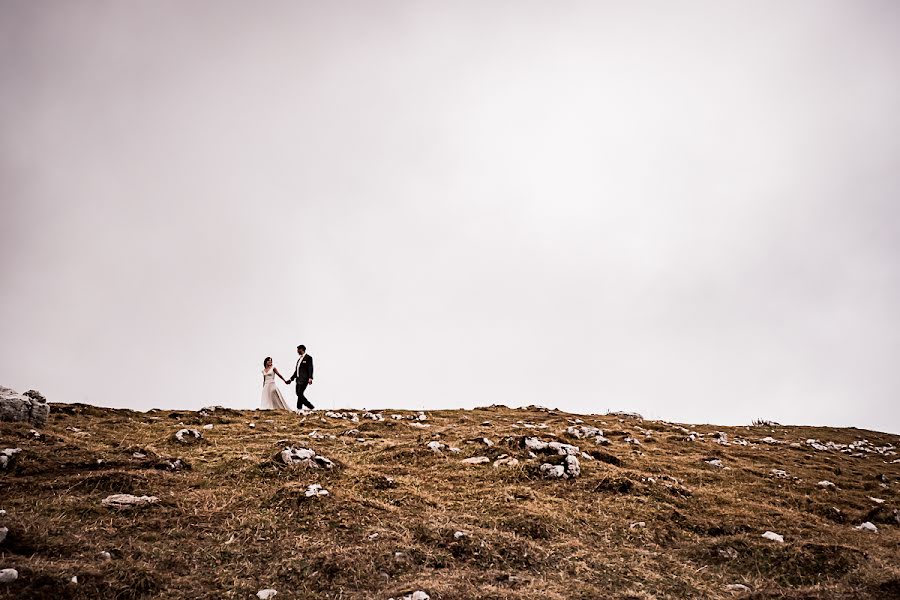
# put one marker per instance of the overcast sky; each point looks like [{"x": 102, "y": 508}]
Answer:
[{"x": 690, "y": 210}]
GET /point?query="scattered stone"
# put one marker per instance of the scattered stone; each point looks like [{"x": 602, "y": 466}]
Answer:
[
  {"x": 8, "y": 575},
  {"x": 208, "y": 426},
  {"x": 569, "y": 469},
  {"x": 476, "y": 460},
  {"x": 714, "y": 462},
  {"x": 867, "y": 526},
  {"x": 771, "y": 535},
  {"x": 169, "y": 464},
  {"x": 266, "y": 594},
  {"x": 825, "y": 484},
  {"x": 638, "y": 525},
  {"x": 7, "y": 456},
  {"x": 417, "y": 595},
  {"x": 631, "y": 440},
  {"x": 736, "y": 587},
  {"x": 779, "y": 473},
  {"x": 105, "y": 555},
  {"x": 435, "y": 446},
  {"x": 314, "y": 489},
  {"x": 504, "y": 460},
  {"x": 138, "y": 455},
  {"x": 74, "y": 579},
  {"x": 128, "y": 501},
  {"x": 251, "y": 425},
  {"x": 373, "y": 416},
  {"x": 30, "y": 407},
  {"x": 875, "y": 500},
  {"x": 457, "y": 535},
  {"x": 770, "y": 440},
  {"x": 306, "y": 457},
  {"x": 188, "y": 436}
]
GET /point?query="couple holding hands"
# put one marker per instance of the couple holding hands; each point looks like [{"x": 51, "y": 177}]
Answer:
[{"x": 303, "y": 374}]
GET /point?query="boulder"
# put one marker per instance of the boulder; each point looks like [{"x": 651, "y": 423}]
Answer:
[
  {"x": 30, "y": 407},
  {"x": 7, "y": 455},
  {"x": 570, "y": 468},
  {"x": 8, "y": 575},
  {"x": 128, "y": 501},
  {"x": 188, "y": 436},
  {"x": 304, "y": 456}
]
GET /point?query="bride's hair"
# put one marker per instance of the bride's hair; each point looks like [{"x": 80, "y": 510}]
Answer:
[{"x": 266, "y": 359}]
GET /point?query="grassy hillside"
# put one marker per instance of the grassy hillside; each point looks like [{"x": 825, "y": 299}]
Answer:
[{"x": 232, "y": 519}]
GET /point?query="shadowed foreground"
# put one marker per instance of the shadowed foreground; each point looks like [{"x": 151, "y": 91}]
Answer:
[{"x": 232, "y": 519}]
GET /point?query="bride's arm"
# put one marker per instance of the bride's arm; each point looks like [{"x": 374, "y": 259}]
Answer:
[{"x": 279, "y": 374}]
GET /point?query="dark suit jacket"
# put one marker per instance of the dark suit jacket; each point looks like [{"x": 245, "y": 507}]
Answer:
[{"x": 305, "y": 371}]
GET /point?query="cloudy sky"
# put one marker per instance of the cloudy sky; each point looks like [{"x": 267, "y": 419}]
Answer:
[{"x": 689, "y": 210}]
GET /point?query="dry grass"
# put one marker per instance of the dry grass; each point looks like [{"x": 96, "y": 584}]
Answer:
[{"x": 236, "y": 521}]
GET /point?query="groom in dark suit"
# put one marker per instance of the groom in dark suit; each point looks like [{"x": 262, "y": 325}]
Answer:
[{"x": 303, "y": 373}]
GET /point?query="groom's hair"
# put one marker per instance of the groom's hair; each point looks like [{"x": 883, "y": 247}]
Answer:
[{"x": 301, "y": 347}]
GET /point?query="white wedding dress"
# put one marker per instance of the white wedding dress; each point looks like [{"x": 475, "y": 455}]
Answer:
[{"x": 271, "y": 395}]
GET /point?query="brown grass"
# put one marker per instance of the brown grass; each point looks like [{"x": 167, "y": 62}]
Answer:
[{"x": 235, "y": 521}]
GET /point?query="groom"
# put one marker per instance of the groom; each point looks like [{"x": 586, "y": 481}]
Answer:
[{"x": 303, "y": 373}]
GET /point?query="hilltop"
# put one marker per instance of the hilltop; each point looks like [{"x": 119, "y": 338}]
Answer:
[{"x": 647, "y": 509}]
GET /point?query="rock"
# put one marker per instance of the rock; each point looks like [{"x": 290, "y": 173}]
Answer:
[
  {"x": 569, "y": 469},
  {"x": 825, "y": 484},
  {"x": 266, "y": 594},
  {"x": 637, "y": 525},
  {"x": 314, "y": 489},
  {"x": 781, "y": 474},
  {"x": 770, "y": 440},
  {"x": 306, "y": 457},
  {"x": 736, "y": 587},
  {"x": 867, "y": 526},
  {"x": 435, "y": 446},
  {"x": 7, "y": 456},
  {"x": 875, "y": 500},
  {"x": 8, "y": 575},
  {"x": 457, "y": 535},
  {"x": 208, "y": 426},
  {"x": 714, "y": 462},
  {"x": 105, "y": 555},
  {"x": 505, "y": 460},
  {"x": 771, "y": 535},
  {"x": 417, "y": 595},
  {"x": 188, "y": 436},
  {"x": 476, "y": 460},
  {"x": 30, "y": 407},
  {"x": 128, "y": 501},
  {"x": 74, "y": 579},
  {"x": 373, "y": 416},
  {"x": 631, "y": 440}
]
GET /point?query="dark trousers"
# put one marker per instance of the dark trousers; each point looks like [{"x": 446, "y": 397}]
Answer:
[{"x": 301, "y": 399}]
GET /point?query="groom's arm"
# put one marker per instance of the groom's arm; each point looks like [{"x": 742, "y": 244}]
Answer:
[{"x": 310, "y": 368}]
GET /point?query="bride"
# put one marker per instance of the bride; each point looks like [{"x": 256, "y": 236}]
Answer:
[{"x": 271, "y": 396}]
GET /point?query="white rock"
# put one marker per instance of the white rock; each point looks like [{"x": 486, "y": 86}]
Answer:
[
  {"x": 770, "y": 440},
  {"x": 251, "y": 425},
  {"x": 30, "y": 407},
  {"x": 828, "y": 485},
  {"x": 631, "y": 440},
  {"x": 637, "y": 525},
  {"x": 476, "y": 460},
  {"x": 454, "y": 449},
  {"x": 435, "y": 446},
  {"x": 305, "y": 456},
  {"x": 105, "y": 555},
  {"x": 208, "y": 426},
  {"x": 487, "y": 442},
  {"x": 459, "y": 535},
  {"x": 781, "y": 474},
  {"x": 736, "y": 587},
  {"x": 867, "y": 526},
  {"x": 74, "y": 579},
  {"x": 6, "y": 456},
  {"x": 418, "y": 595},
  {"x": 2, "y": 513},
  {"x": 771, "y": 535},
  {"x": 875, "y": 500},
  {"x": 563, "y": 449},
  {"x": 128, "y": 501},
  {"x": 314, "y": 489},
  {"x": 535, "y": 444},
  {"x": 266, "y": 594},
  {"x": 506, "y": 461},
  {"x": 186, "y": 436},
  {"x": 715, "y": 462},
  {"x": 8, "y": 575}
]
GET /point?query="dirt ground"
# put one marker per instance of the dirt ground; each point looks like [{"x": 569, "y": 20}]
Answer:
[{"x": 655, "y": 519}]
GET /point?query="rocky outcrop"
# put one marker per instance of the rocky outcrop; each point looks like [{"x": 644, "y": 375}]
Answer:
[{"x": 30, "y": 407}]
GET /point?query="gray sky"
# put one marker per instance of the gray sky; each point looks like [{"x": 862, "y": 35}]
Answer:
[{"x": 689, "y": 210}]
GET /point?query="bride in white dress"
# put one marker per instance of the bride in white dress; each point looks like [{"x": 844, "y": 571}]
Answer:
[{"x": 271, "y": 396}]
